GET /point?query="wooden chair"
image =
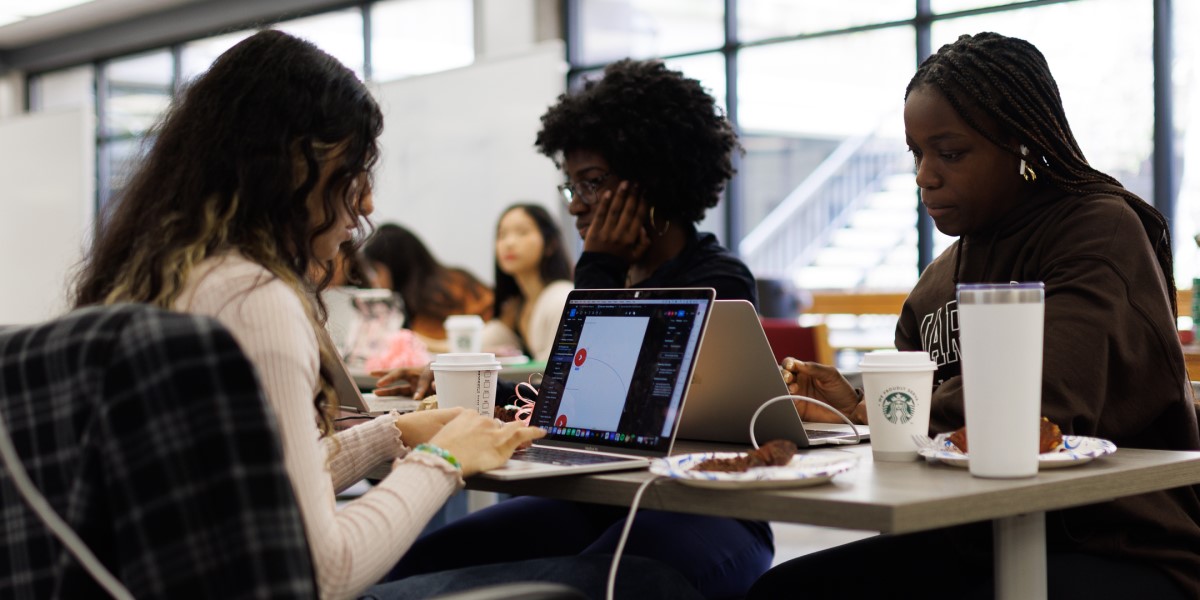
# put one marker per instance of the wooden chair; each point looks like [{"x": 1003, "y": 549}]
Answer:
[{"x": 787, "y": 338}]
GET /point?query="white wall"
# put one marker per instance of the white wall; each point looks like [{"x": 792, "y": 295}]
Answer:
[
  {"x": 458, "y": 147},
  {"x": 46, "y": 199}
]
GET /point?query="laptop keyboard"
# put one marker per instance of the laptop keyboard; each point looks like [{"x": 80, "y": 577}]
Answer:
[{"x": 554, "y": 456}]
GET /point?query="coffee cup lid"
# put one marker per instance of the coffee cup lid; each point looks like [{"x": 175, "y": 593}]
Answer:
[
  {"x": 465, "y": 361},
  {"x": 459, "y": 320},
  {"x": 894, "y": 360}
]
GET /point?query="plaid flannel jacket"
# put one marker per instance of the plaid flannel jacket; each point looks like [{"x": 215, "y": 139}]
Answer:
[{"x": 147, "y": 432}]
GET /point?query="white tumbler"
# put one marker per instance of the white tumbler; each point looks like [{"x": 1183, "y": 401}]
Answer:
[{"x": 1000, "y": 344}]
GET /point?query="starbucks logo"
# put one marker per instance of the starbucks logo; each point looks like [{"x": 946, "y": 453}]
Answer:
[{"x": 898, "y": 407}]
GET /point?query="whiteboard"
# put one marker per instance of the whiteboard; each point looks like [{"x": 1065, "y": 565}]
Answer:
[
  {"x": 47, "y": 184},
  {"x": 457, "y": 148}
]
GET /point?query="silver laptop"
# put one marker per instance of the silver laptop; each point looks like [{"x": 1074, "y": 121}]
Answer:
[
  {"x": 614, "y": 384},
  {"x": 735, "y": 373},
  {"x": 352, "y": 400}
]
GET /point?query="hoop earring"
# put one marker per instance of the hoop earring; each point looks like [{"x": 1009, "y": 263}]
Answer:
[
  {"x": 1026, "y": 170},
  {"x": 655, "y": 227}
]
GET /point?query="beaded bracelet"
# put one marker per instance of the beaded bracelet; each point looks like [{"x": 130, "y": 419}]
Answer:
[{"x": 439, "y": 452}]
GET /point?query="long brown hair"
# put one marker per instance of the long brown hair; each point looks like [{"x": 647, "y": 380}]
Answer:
[{"x": 231, "y": 167}]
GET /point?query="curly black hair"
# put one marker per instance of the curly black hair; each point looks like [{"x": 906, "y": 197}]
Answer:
[{"x": 655, "y": 127}]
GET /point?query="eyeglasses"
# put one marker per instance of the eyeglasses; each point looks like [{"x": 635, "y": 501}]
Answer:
[{"x": 585, "y": 190}]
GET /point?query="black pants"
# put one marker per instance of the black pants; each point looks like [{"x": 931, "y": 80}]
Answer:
[{"x": 927, "y": 565}]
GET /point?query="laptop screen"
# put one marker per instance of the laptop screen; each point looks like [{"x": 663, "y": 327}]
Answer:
[{"x": 619, "y": 367}]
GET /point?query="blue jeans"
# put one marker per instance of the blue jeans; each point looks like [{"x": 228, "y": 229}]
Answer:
[
  {"x": 720, "y": 557},
  {"x": 636, "y": 578}
]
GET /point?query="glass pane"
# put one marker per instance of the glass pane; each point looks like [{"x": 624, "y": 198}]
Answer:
[
  {"x": 339, "y": 33},
  {"x": 413, "y": 37},
  {"x": 946, "y": 6},
  {"x": 759, "y": 19},
  {"x": 614, "y": 29},
  {"x": 1105, "y": 75},
  {"x": 196, "y": 57},
  {"x": 1186, "y": 74},
  {"x": 709, "y": 69},
  {"x": 139, "y": 90},
  {"x": 118, "y": 160},
  {"x": 829, "y": 195},
  {"x": 66, "y": 88}
]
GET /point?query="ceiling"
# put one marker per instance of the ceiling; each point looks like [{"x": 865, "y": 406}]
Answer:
[{"x": 77, "y": 18}]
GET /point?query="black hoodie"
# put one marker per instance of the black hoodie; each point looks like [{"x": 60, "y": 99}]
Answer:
[{"x": 1112, "y": 368}]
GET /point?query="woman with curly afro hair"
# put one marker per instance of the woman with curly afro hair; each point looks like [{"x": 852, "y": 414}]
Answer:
[{"x": 646, "y": 152}]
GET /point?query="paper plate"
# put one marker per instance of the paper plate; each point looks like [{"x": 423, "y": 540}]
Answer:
[
  {"x": 805, "y": 469},
  {"x": 1075, "y": 450}
]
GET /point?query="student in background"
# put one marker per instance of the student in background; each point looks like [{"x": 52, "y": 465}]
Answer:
[
  {"x": 998, "y": 166},
  {"x": 431, "y": 291},
  {"x": 533, "y": 278}
]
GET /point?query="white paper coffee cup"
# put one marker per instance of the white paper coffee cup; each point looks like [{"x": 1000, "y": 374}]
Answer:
[
  {"x": 898, "y": 391},
  {"x": 464, "y": 333},
  {"x": 467, "y": 380}
]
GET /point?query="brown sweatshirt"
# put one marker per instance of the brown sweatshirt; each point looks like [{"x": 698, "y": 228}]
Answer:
[{"x": 1112, "y": 367}]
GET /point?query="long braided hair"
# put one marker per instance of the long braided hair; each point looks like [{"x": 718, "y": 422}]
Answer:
[{"x": 1007, "y": 80}]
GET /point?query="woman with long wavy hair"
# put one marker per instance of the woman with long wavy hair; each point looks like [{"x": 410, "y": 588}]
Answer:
[{"x": 259, "y": 171}]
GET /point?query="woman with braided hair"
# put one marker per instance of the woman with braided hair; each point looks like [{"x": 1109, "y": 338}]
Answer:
[{"x": 998, "y": 166}]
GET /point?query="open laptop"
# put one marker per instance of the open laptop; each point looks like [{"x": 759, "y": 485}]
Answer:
[
  {"x": 615, "y": 381},
  {"x": 352, "y": 400},
  {"x": 735, "y": 373}
]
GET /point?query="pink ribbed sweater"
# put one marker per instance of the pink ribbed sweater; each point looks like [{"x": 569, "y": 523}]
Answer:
[{"x": 354, "y": 546}]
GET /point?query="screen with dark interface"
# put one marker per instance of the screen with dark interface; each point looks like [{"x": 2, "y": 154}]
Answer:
[{"x": 619, "y": 367}]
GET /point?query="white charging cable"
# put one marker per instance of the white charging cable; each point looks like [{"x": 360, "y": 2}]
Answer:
[
  {"x": 637, "y": 496},
  {"x": 753, "y": 441},
  {"x": 57, "y": 526},
  {"x": 612, "y": 571}
]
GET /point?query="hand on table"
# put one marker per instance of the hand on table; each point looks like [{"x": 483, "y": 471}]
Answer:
[
  {"x": 619, "y": 225},
  {"x": 480, "y": 443},
  {"x": 824, "y": 383},
  {"x": 405, "y": 381}
]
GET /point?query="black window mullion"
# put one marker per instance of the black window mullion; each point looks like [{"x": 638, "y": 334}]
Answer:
[
  {"x": 924, "y": 29},
  {"x": 734, "y": 221}
]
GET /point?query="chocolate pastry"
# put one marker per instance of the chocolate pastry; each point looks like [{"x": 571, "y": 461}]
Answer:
[
  {"x": 1049, "y": 437},
  {"x": 774, "y": 453}
]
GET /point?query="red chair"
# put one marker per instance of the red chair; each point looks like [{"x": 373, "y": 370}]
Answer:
[{"x": 787, "y": 338}]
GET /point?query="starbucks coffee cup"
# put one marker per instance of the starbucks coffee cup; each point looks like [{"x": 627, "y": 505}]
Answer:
[
  {"x": 464, "y": 333},
  {"x": 467, "y": 380},
  {"x": 898, "y": 389}
]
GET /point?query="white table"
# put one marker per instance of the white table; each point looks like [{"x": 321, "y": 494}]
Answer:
[{"x": 903, "y": 498}]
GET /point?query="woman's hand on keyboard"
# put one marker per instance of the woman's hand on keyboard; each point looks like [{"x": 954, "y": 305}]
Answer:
[{"x": 481, "y": 443}]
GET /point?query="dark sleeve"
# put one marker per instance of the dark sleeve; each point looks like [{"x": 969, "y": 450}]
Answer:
[
  {"x": 201, "y": 504},
  {"x": 597, "y": 271},
  {"x": 148, "y": 433},
  {"x": 947, "y": 412}
]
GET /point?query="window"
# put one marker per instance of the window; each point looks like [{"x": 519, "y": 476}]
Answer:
[
  {"x": 65, "y": 88},
  {"x": 760, "y": 19},
  {"x": 615, "y": 29},
  {"x": 340, "y": 33},
  {"x": 196, "y": 57},
  {"x": 414, "y": 37},
  {"x": 136, "y": 91},
  {"x": 834, "y": 124}
]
